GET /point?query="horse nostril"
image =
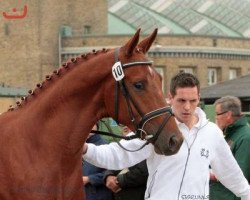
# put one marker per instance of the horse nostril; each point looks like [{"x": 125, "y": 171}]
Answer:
[{"x": 173, "y": 143}]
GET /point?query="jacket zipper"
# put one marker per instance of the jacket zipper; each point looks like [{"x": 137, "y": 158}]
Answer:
[
  {"x": 189, "y": 149},
  {"x": 151, "y": 184},
  {"x": 184, "y": 173}
]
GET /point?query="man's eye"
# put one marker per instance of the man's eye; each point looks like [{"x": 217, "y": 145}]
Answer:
[{"x": 181, "y": 100}]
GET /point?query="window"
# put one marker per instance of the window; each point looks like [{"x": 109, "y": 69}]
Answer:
[
  {"x": 214, "y": 42},
  {"x": 86, "y": 29},
  {"x": 232, "y": 74},
  {"x": 66, "y": 31},
  {"x": 212, "y": 76}
]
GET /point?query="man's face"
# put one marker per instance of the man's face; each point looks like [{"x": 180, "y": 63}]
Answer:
[
  {"x": 184, "y": 103},
  {"x": 222, "y": 117}
]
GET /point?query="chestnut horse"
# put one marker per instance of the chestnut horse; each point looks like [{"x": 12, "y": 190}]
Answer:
[{"x": 41, "y": 138}]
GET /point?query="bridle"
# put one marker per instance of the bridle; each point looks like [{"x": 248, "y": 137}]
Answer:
[{"x": 117, "y": 70}]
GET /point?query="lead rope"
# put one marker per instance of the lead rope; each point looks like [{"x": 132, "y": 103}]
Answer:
[
  {"x": 127, "y": 138},
  {"x": 129, "y": 150}
]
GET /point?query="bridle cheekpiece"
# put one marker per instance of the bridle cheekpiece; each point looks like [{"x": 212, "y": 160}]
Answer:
[{"x": 118, "y": 74}]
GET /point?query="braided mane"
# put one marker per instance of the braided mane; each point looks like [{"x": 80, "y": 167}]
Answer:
[{"x": 63, "y": 68}]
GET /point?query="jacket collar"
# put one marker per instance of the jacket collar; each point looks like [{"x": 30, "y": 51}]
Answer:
[
  {"x": 238, "y": 123},
  {"x": 202, "y": 119}
]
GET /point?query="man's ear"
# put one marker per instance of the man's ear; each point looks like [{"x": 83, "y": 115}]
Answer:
[
  {"x": 170, "y": 97},
  {"x": 229, "y": 114}
]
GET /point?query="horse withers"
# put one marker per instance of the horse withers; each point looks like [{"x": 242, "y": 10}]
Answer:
[{"x": 41, "y": 138}]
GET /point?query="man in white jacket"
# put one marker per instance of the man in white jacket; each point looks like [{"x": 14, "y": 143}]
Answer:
[{"x": 184, "y": 175}]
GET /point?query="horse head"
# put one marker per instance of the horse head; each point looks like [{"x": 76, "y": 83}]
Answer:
[{"x": 138, "y": 98}]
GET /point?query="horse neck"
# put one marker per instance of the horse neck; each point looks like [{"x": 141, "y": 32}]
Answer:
[{"x": 68, "y": 108}]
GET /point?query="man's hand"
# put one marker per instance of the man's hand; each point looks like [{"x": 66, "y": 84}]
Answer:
[
  {"x": 85, "y": 180},
  {"x": 112, "y": 184}
]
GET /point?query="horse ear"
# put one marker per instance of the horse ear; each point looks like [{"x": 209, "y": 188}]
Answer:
[
  {"x": 147, "y": 42},
  {"x": 131, "y": 44}
]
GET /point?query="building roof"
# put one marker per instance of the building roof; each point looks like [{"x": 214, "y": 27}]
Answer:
[
  {"x": 239, "y": 87},
  {"x": 229, "y": 18},
  {"x": 7, "y": 91}
]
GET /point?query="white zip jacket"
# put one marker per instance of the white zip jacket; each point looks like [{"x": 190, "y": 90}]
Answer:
[{"x": 184, "y": 175}]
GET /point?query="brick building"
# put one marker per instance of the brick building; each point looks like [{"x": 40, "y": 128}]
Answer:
[
  {"x": 29, "y": 46},
  {"x": 207, "y": 38},
  {"x": 195, "y": 54}
]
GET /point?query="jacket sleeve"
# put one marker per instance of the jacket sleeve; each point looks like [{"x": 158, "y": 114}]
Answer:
[
  {"x": 110, "y": 173},
  {"x": 136, "y": 176},
  {"x": 96, "y": 179},
  {"x": 227, "y": 170},
  {"x": 242, "y": 155},
  {"x": 112, "y": 156}
]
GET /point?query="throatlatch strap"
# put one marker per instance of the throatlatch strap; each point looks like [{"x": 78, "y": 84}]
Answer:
[{"x": 117, "y": 89}]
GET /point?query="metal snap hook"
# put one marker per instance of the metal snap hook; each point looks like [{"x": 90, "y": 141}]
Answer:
[
  {"x": 143, "y": 134},
  {"x": 148, "y": 137}
]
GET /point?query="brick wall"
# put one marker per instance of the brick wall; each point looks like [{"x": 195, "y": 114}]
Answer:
[
  {"x": 172, "y": 64},
  {"x": 29, "y": 46}
]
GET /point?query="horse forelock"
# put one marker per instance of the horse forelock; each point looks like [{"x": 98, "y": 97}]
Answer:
[{"x": 56, "y": 75}]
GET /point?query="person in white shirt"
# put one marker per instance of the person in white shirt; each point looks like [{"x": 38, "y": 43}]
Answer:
[{"x": 184, "y": 175}]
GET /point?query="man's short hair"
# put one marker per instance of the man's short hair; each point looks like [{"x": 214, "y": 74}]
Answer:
[
  {"x": 183, "y": 80},
  {"x": 230, "y": 103}
]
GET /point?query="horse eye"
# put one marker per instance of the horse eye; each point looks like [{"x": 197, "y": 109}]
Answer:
[{"x": 139, "y": 86}]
